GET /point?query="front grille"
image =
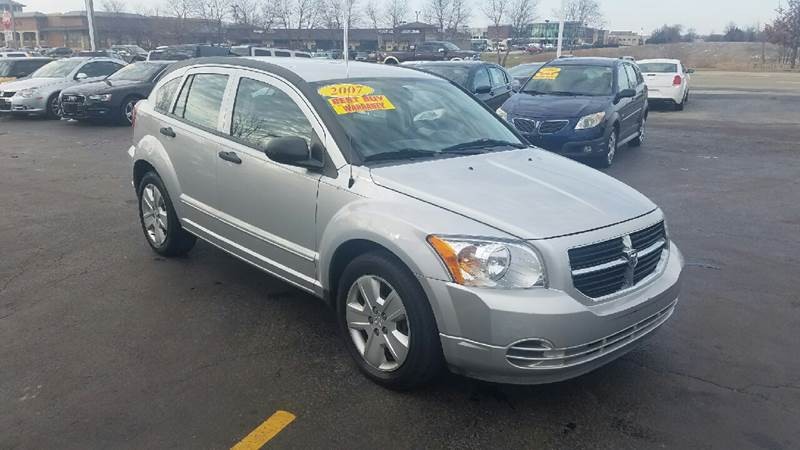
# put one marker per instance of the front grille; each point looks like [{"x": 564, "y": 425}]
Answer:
[
  {"x": 526, "y": 125},
  {"x": 608, "y": 267},
  {"x": 539, "y": 354},
  {"x": 69, "y": 108},
  {"x": 552, "y": 126},
  {"x": 7, "y": 94},
  {"x": 72, "y": 99},
  {"x": 5, "y": 105}
]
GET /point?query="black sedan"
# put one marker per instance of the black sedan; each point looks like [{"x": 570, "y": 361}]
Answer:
[
  {"x": 115, "y": 97},
  {"x": 489, "y": 82}
]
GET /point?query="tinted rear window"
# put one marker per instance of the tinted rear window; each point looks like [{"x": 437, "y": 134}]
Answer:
[
  {"x": 456, "y": 74},
  {"x": 658, "y": 68}
]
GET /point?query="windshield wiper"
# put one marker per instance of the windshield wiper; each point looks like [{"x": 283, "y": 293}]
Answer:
[
  {"x": 480, "y": 144},
  {"x": 405, "y": 153}
]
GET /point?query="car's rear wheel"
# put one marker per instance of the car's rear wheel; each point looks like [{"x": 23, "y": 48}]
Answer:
[
  {"x": 680, "y": 106},
  {"x": 639, "y": 140},
  {"x": 158, "y": 218},
  {"x": 387, "y": 322}
]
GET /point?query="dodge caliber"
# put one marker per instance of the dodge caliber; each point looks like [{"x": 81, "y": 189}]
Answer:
[{"x": 437, "y": 234}]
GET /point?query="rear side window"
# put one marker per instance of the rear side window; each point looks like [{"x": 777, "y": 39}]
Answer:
[
  {"x": 163, "y": 99},
  {"x": 262, "y": 112},
  {"x": 201, "y": 99},
  {"x": 302, "y": 55},
  {"x": 278, "y": 53},
  {"x": 259, "y": 52}
]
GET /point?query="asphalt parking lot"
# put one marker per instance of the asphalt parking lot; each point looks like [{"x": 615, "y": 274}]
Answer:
[{"x": 105, "y": 345}]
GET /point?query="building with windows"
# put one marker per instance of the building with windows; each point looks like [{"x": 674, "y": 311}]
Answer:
[
  {"x": 625, "y": 38},
  {"x": 575, "y": 33}
]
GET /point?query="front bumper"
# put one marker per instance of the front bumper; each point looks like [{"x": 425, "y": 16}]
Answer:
[
  {"x": 492, "y": 334},
  {"x": 22, "y": 105},
  {"x": 71, "y": 110},
  {"x": 571, "y": 142}
]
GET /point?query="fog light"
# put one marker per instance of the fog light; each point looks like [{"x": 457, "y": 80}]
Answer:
[{"x": 587, "y": 149}]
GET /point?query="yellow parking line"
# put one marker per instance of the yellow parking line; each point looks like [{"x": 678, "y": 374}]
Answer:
[{"x": 266, "y": 431}]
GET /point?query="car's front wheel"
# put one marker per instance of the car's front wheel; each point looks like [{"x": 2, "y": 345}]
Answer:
[
  {"x": 53, "y": 107},
  {"x": 606, "y": 159},
  {"x": 387, "y": 322},
  {"x": 158, "y": 218},
  {"x": 126, "y": 110}
]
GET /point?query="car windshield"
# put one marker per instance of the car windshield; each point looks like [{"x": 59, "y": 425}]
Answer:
[
  {"x": 658, "y": 67},
  {"x": 456, "y": 74},
  {"x": 406, "y": 118},
  {"x": 524, "y": 70},
  {"x": 571, "y": 80},
  {"x": 57, "y": 69},
  {"x": 140, "y": 71},
  {"x": 450, "y": 46}
]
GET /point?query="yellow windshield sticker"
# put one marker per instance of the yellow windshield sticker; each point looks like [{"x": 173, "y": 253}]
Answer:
[
  {"x": 547, "y": 73},
  {"x": 345, "y": 90},
  {"x": 347, "y": 105}
]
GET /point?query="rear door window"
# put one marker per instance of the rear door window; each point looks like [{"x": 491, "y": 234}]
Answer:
[
  {"x": 201, "y": 99},
  {"x": 261, "y": 52},
  {"x": 284, "y": 54},
  {"x": 497, "y": 76}
]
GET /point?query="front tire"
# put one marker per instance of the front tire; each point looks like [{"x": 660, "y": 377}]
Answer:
[
  {"x": 53, "y": 107},
  {"x": 387, "y": 322},
  {"x": 160, "y": 223},
  {"x": 125, "y": 114},
  {"x": 639, "y": 140},
  {"x": 606, "y": 159}
]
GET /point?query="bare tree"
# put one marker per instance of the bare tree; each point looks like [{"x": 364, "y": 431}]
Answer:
[
  {"x": 438, "y": 12},
  {"x": 586, "y": 12},
  {"x": 181, "y": 10},
  {"x": 521, "y": 14},
  {"x": 396, "y": 12},
  {"x": 215, "y": 12},
  {"x": 244, "y": 12},
  {"x": 460, "y": 13},
  {"x": 114, "y": 6},
  {"x": 496, "y": 11},
  {"x": 334, "y": 13}
]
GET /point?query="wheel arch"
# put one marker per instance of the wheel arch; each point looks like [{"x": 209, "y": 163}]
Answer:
[
  {"x": 150, "y": 154},
  {"x": 391, "y": 60}
]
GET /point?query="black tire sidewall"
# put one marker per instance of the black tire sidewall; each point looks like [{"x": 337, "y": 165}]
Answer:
[
  {"x": 123, "y": 119},
  {"x": 424, "y": 358},
  {"x": 169, "y": 245},
  {"x": 49, "y": 114}
]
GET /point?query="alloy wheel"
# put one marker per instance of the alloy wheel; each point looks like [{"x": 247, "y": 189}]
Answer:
[
  {"x": 129, "y": 106},
  {"x": 377, "y": 323},
  {"x": 154, "y": 214},
  {"x": 612, "y": 148},
  {"x": 55, "y": 108},
  {"x": 642, "y": 129}
]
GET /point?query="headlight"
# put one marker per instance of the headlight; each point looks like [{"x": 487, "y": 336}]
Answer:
[
  {"x": 590, "y": 121},
  {"x": 100, "y": 97},
  {"x": 488, "y": 263},
  {"x": 503, "y": 115},
  {"x": 28, "y": 93}
]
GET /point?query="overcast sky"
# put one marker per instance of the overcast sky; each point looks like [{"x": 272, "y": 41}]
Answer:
[{"x": 634, "y": 15}]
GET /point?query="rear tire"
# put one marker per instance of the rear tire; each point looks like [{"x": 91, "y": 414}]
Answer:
[
  {"x": 160, "y": 223},
  {"x": 679, "y": 106},
  {"x": 420, "y": 360}
]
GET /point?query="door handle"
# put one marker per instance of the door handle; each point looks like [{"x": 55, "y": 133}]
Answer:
[
  {"x": 167, "y": 131},
  {"x": 230, "y": 157}
]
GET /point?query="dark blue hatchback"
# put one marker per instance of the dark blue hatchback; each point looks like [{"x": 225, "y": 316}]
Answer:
[{"x": 581, "y": 107}]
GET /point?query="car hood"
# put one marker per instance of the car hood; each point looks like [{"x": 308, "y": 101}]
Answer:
[
  {"x": 528, "y": 193},
  {"x": 103, "y": 86},
  {"x": 554, "y": 106}
]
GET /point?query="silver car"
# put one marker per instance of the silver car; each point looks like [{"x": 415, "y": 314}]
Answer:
[
  {"x": 439, "y": 237},
  {"x": 38, "y": 94}
]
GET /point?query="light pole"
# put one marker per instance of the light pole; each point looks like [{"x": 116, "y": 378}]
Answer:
[
  {"x": 561, "y": 28},
  {"x": 90, "y": 19},
  {"x": 417, "y": 13}
]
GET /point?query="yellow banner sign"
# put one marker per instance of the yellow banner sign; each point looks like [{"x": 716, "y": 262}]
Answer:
[
  {"x": 345, "y": 90},
  {"x": 547, "y": 73},
  {"x": 347, "y": 105}
]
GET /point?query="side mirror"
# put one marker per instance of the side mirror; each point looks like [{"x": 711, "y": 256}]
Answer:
[
  {"x": 483, "y": 89},
  {"x": 291, "y": 150},
  {"x": 516, "y": 85},
  {"x": 412, "y": 47},
  {"x": 441, "y": 50},
  {"x": 625, "y": 93},
  {"x": 689, "y": 71},
  {"x": 81, "y": 76}
]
